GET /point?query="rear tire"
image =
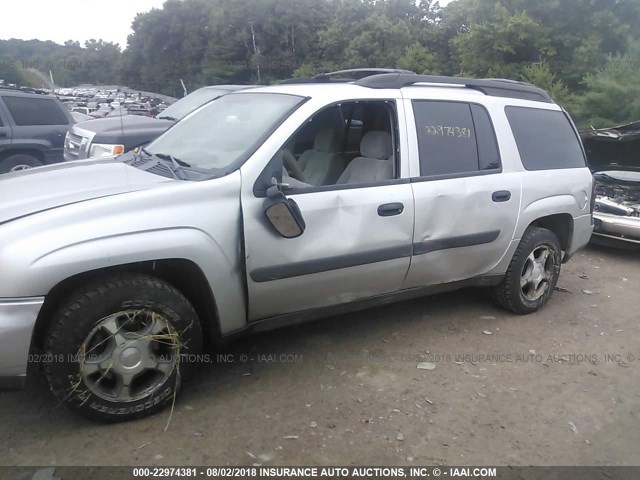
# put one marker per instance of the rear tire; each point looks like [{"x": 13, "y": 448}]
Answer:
[
  {"x": 533, "y": 273},
  {"x": 16, "y": 163},
  {"x": 115, "y": 350}
]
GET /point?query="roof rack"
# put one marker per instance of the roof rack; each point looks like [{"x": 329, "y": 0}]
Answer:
[
  {"x": 356, "y": 74},
  {"x": 492, "y": 87},
  {"x": 364, "y": 72}
]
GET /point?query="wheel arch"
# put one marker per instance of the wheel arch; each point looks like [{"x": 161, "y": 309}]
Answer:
[
  {"x": 182, "y": 274},
  {"x": 555, "y": 213},
  {"x": 561, "y": 224},
  {"x": 34, "y": 152}
]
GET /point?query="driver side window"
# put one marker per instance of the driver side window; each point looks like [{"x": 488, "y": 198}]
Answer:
[{"x": 350, "y": 143}]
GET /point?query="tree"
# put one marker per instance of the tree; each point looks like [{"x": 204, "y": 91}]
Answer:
[
  {"x": 379, "y": 42},
  {"x": 612, "y": 94},
  {"x": 568, "y": 47},
  {"x": 540, "y": 75},
  {"x": 417, "y": 58},
  {"x": 496, "y": 42}
]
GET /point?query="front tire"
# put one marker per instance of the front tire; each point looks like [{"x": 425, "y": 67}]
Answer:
[
  {"x": 115, "y": 351},
  {"x": 533, "y": 273}
]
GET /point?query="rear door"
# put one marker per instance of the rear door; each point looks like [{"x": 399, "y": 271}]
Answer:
[{"x": 466, "y": 204}]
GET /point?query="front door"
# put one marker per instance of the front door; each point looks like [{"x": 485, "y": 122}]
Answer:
[{"x": 358, "y": 213}]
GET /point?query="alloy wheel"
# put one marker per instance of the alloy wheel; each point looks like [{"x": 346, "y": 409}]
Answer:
[
  {"x": 128, "y": 355},
  {"x": 537, "y": 273}
]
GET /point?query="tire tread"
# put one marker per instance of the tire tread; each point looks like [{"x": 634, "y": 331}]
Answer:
[
  {"x": 64, "y": 314},
  {"x": 503, "y": 294}
]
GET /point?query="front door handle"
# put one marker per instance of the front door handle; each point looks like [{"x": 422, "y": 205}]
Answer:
[
  {"x": 3, "y": 134},
  {"x": 501, "y": 196},
  {"x": 390, "y": 209}
]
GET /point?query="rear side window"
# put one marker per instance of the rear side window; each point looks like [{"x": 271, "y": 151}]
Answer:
[
  {"x": 455, "y": 138},
  {"x": 545, "y": 138},
  {"x": 35, "y": 111}
]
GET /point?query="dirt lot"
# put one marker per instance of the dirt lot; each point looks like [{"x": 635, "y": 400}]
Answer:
[{"x": 560, "y": 387}]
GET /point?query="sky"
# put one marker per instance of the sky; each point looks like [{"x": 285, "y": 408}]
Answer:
[{"x": 79, "y": 20}]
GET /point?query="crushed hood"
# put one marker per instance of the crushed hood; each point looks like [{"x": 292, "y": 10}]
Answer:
[
  {"x": 615, "y": 148},
  {"x": 40, "y": 189}
]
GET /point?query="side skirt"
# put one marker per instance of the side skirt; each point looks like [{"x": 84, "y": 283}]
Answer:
[{"x": 296, "y": 318}]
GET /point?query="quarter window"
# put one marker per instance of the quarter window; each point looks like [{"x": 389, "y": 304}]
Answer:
[
  {"x": 34, "y": 111},
  {"x": 454, "y": 138},
  {"x": 546, "y": 139}
]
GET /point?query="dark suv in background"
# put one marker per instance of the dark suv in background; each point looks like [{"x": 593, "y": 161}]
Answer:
[
  {"x": 32, "y": 129},
  {"x": 118, "y": 134}
]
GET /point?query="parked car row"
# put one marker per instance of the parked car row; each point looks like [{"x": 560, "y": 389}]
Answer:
[
  {"x": 112, "y": 136},
  {"x": 275, "y": 205},
  {"x": 103, "y": 103},
  {"x": 34, "y": 125}
]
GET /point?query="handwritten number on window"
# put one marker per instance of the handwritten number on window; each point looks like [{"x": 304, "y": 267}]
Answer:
[{"x": 448, "y": 131}]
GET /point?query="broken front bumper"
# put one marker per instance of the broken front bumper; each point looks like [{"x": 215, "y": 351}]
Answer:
[
  {"x": 617, "y": 227},
  {"x": 17, "y": 321}
]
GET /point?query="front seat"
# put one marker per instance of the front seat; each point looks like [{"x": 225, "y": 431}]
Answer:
[
  {"x": 322, "y": 165},
  {"x": 376, "y": 162}
]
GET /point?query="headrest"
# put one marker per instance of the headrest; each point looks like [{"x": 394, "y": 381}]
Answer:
[
  {"x": 376, "y": 144},
  {"x": 326, "y": 140}
]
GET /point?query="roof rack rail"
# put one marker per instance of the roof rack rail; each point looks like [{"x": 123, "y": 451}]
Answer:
[
  {"x": 492, "y": 87},
  {"x": 364, "y": 72},
  {"x": 356, "y": 73}
]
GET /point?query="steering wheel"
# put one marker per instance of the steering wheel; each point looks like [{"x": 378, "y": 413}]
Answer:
[{"x": 292, "y": 165}]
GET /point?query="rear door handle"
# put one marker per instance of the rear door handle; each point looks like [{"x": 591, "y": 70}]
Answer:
[
  {"x": 390, "y": 209},
  {"x": 501, "y": 196}
]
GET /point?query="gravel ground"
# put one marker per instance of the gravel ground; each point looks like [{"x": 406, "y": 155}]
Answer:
[{"x": 560, "y": 387}]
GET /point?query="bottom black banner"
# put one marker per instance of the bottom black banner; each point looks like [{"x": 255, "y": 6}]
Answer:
[{"x": 364, "y": 472}]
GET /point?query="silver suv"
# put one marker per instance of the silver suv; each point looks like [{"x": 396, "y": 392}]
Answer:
[{"x": 278, "y": 205}]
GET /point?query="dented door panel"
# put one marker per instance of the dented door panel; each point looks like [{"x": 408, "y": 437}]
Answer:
[
  {"x": 460, "y": 231},
  {"x": 347, "y": 252}
]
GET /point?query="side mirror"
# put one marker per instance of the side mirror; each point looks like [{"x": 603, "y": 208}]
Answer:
[{"x": 284, "y": 214}]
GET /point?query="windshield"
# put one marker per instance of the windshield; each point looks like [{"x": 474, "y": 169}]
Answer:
[
  {"x": 226, "y": 130},
  {"x": 188, "y": 104}
]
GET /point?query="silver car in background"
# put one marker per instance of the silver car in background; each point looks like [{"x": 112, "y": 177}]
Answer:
[{"x": 613, "y": 154}]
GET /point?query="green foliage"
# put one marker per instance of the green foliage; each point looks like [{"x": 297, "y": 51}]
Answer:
[
  {"x": 540, "y": 75},
  {"x": 612, "y": 95},
  {"x": 70, "y": 64},
  {"x": 12, "y": 72},
  {"x": 420, "y": 60},
  {"x": 497, "y": 44},
  {"x": 568, "y": 47}
]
